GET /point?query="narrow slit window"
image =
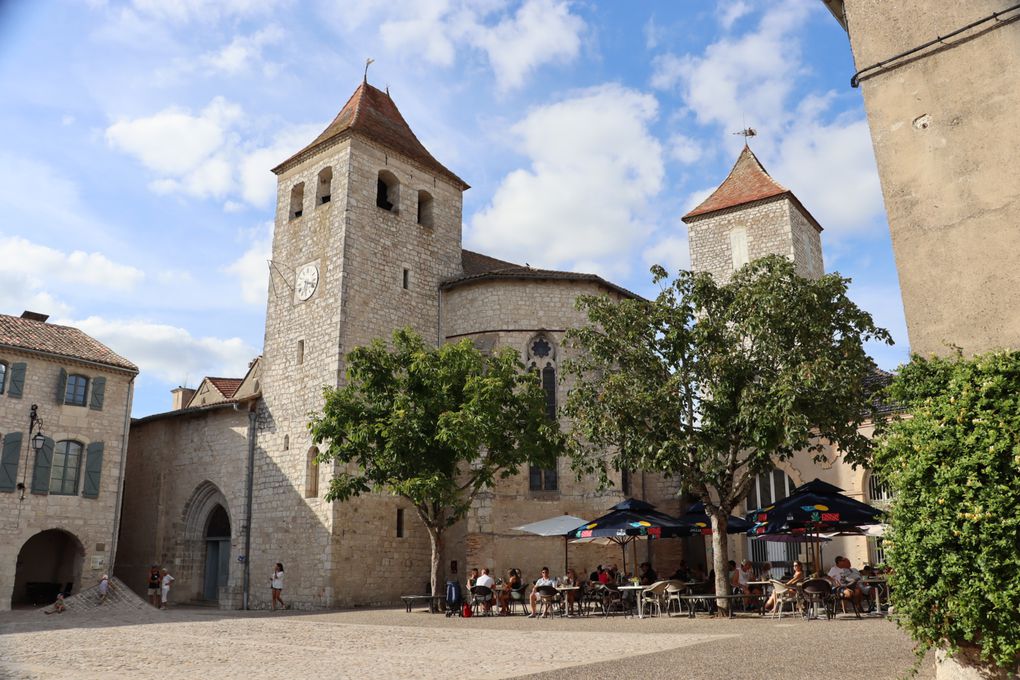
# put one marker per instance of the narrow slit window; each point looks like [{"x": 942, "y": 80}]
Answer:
[
  {"x": 323, "y": 193},
  {"x": 424, "y": 209},
  {"x": 297, "y": 200},
  {"x": 400, "y": 522},
  {"x": 300, "y": 352},
  {"x": 286, "y": 442},
  {"x": 406, "y": 280}
]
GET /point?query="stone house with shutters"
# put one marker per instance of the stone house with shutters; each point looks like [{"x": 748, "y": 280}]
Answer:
[
  {"x": 368, "y": 239},
  {"x": 65, "y": 403}
]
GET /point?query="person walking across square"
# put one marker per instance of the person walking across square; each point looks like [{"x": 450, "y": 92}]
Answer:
[{"x": 276, "y": 583}]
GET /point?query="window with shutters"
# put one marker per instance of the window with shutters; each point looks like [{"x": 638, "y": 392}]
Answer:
[
  {"x": 75, "y": 390},
  {"x": 13, "y": 380},
  {"x": 65, "y": 468},
  {"x": 3, "y": 376},
  {"x": 10, "y": 459}
]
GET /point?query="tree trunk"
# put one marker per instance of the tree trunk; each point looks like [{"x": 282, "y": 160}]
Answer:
[
  {"x": 720, "y": 559},
  {"x": 436, "y": 538}
]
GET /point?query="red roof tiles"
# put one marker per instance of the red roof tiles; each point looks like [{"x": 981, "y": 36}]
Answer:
[
  {"x": 748, "y": 181},
  {"x": 62, "y": 341},
  {"x": 226, "y": 386},
  {"x": 371, "y": 112}
]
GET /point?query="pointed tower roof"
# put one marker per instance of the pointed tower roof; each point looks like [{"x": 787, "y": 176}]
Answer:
[
  {"x": 371, "y": 113},
  {"x": 748, "y": 181}
]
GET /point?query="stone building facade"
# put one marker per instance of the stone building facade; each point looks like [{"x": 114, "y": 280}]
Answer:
[
  {"x": 367, "y": 240},
  {"x": 943, "y": 119},
  {"x": 65, "y": 401}
]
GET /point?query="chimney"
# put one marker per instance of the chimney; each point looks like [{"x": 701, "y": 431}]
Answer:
[
  {"x": 181, "y": 397},
  {"x": 34, "y": 316}
]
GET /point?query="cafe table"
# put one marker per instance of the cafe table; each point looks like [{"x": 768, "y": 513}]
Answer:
[
  {"x": 876, "y": 583},
  {"x": 565, "y": 590},
  {"x": 639, "y": 593}
]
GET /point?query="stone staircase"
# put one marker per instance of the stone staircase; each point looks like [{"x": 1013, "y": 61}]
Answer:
[{"x": 120, "y": 598}]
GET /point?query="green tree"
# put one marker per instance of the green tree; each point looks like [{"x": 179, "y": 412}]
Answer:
[
  {"x": 954, "y": 467},
  {"x": 712, "y": 383},
  {"x": 432, "y": 425}
]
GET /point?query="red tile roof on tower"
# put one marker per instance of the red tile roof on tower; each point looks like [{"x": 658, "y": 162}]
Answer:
[
  {"x": 61, "y": 341},
  {"x": 371, "y": 113},
  {"x": 747, "y": 182}
]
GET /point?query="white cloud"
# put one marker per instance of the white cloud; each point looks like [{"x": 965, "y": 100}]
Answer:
[
  {"x": 542, "y": 31},
  {"x": 729, "y": 11},
  {"x": 250, "y": 269},
  {"x": 168, "y": 352},
  {"x": 672, "y": 252},
  {"x": 593, "y": 166},
  {"x": 685, "y": 149},
  {"x": 77, "y": 268},
  {"x": 515, "y": 44},
  {"x": 204, "y": 155},
  {"x": 206, "y": 11},
  {"x": 243, "y": 52}
]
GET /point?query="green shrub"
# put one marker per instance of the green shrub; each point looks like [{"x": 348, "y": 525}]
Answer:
[{"x": 954, "y": 465}]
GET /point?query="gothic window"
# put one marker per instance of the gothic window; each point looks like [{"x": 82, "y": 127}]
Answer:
[
  {"x": 387, "y": 191},
  {"x": 738, "y": 247},
  {"x": 324, "y": 191},
  {"x": 879, "y": 490},
  {"x": 64, "y": 468},
  {"x": 75, "y": 390},
  {"x": 424, "y": 209},
  {"x": 541, "y": 354},
  {"x": 549, "y": 386},
  {"x": 297, "y": 200},
  {"x": 312, "y": 473}
]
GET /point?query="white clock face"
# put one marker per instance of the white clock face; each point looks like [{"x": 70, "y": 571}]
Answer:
[{"x": 306, "y": 281}]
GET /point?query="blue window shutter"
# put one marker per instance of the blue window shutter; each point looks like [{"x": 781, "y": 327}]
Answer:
[
  {"x": 93, "y": 470},
  {"x": 17, "y": 384},
  {"x": 98, "y": 392},
  {"x": 9, "y": 460},
  {"x": 41, "y": 471},
  {"x": 61, "y": 386}
]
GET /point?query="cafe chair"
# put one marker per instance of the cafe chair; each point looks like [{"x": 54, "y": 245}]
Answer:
[
  {"x": 481, "y": 596},
  {"x": 815, "y": 592},
  {"x": 547, "y": 599},
  {"x": 653, "y": 596},
  {"x": 785, "y": 595}
]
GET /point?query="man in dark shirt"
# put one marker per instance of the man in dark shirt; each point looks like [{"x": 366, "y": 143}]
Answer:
[
  {"x": 646, "y": 574},
  {"x": 153, "y": 588}
]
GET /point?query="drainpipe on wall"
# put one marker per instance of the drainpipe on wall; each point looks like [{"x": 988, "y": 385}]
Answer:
[
  {"x": 118, "y": 506},
  {"x": 249, "y": 484}
]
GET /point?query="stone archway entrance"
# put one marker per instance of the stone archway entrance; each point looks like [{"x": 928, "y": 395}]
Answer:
[
  {"x": 49, "y": 563},
  {"x": 217, "y": 553}
]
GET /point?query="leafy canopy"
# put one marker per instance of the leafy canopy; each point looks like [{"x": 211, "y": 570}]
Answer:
[
  {"x": 434, "y": 425},
  {"x": 711, "y": 382},
  {"x": 954, "y": 467}
]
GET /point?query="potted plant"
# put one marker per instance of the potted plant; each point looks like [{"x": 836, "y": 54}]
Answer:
[{"x": 954, "y": 542}]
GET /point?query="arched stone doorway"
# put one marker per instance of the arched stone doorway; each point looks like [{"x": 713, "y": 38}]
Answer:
[
  {"x": 205, "y": 558},
  {"x": 49, "y": 563},
  {"x": 217, "y": 553}
]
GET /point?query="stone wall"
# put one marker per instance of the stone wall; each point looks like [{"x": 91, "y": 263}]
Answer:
[
  {"x": 180, "y": 466},
  {"x": 91, "y": 522},
  {"x": 774, "y": 226},
  {"x": 943, "y": 125}
]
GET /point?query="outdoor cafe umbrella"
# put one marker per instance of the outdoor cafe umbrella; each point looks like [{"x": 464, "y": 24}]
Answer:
[
  {"x": 696, "y": 516},
  {"x": 813, "y": 508},
  {"x": 628, "y": 521},
  {"x": 554, "y": 526}
]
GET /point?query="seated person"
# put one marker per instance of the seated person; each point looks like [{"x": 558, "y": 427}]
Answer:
[
  {"x": 486, "y": 580},
  {"x": 512, "y": 583},
  {"x": 796, "y": 579},
  {"x": 682, "y": 573},
  {"x": 595, "y": 576},
  {"x": 734, "y": 577},
  {"x": 646, "y": 575},
  {"x": 846, "y": 581},
  {"x": 764, "y": 573},
  {"x": 570, "y": 581},
  {"x": 58, "y": 606},
  {"x": 543, "y": 580},
  {"x": 472, "y": 578},
  {"x": 606, "y": 577}
]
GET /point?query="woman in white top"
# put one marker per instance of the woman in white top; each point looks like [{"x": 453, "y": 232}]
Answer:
[{"x": 276, "y": 582}]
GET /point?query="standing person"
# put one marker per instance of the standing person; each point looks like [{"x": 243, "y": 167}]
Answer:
[
  {"x": 276, "y": 583},
  {"x": 165, "y": 588},
  {"x": 154, "y": 583},
  {"x": 104, "y": 588}
]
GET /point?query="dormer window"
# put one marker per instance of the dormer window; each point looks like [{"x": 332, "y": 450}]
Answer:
[
  {"x": 297, "y": 200},
  {"x": 424, "y": 209},
  {"x": 387, "y": 191},
  {"x": 323, "y": 192}
]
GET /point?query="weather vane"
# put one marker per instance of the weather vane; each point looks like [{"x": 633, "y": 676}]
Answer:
[
  {"x": 368, "y": 62},
  {"x": 747, "y": 133}
]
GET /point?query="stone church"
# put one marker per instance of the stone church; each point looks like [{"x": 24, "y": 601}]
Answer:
[{"x": 368, "y": 238}]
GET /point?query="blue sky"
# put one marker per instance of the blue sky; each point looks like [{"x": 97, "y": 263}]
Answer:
[{"x": 136, "y": 199}]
